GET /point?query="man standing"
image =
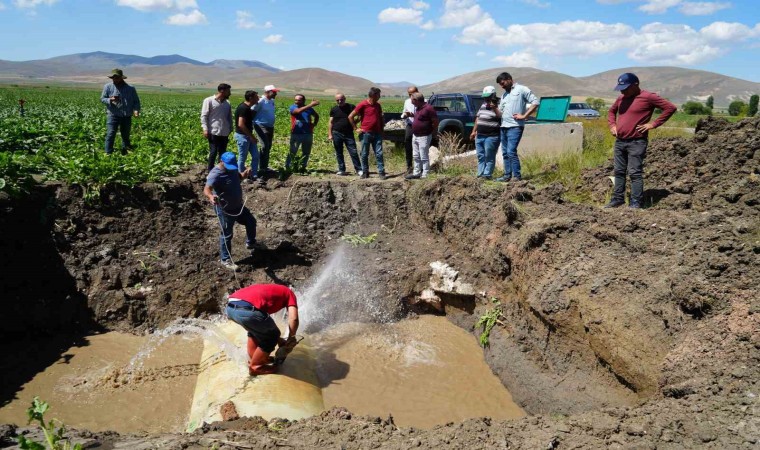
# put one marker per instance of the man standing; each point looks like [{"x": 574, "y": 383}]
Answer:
[
  {"x": 224, "y": 192},
  {"x": 408, "y": 115},
  {"x": 122, "y": 103},
  {"x": 246, "y": 142},
  {"x": 303, "y": 119},
  {"x": 371, "y": 114},
  {"x": 628, "y": 119},
  {"x": 517, "y": 103},
  {"x": 264, "y": 126},
  {"x": 340, "y": 132},
  {"x": 424, "y": 128},
  {"x": 251, "y": 308},
  {"x": 216, "y": 121}
]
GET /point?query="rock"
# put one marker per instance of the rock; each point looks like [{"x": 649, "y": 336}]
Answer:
[{"x": 228, "y": 411}]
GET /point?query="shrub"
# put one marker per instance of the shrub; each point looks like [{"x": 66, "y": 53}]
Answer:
[{"x": 735, "y": 107}]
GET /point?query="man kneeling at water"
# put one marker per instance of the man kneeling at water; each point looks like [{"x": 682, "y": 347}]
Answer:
[{"x": 250, "y": 308}]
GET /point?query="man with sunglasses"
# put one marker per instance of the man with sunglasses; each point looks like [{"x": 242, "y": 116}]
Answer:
[{"x": 340, "y": 132}]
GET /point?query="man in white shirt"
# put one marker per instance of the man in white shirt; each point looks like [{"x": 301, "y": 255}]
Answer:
[
  {"x": 517, "y": 103},
  {"x": 408, "y": 115},
  {"x": 216, "y": 121}
]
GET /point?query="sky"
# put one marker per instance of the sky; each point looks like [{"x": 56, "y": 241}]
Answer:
[{"x": 399, "y": 40}]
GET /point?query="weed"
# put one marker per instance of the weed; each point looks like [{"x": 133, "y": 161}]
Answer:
[
  {"x": 448, "y": 144},
  {"x": 54, "y": 430},
  {"x": 356, "y": 239},
  {"x": 488, "y": 321}
]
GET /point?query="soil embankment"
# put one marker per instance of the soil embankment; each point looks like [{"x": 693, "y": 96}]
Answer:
[{"x": 619, "y": 328}]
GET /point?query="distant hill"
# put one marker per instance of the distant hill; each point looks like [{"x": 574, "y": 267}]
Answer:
[{"x": 177, "y": 71}]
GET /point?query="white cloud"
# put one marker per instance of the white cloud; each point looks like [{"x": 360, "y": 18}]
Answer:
[
  {"x": 658, "y": 6},
  {"x": 244, "y": 21},
  {"x": 31, "y": 4},
  {"x": 480, "y": 54},
  {"x": 702, "y": 8},
  {"x": 273, "y": 39},
  {"x": 517, "y": 59},
  {"x": 2, "y": 6},
  {"x": 462, "y": 13},
  {"x": 419, "y": 5},
  {"x": 427, "y": 26},
  {"x": 728, "y": 32},
  {"x": 667, "y": 44},
  {"x": 348, "y": 43},
  {"x": 194, "y": 17},
  {"x": 406, "y": 16},
  {"x": 156, "y": 5}
]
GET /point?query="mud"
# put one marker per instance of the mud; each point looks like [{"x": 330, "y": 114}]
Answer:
[{"x": 619, "y": 329}]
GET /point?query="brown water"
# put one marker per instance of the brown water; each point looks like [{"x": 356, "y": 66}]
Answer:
[{"x": 424, "y": 372}]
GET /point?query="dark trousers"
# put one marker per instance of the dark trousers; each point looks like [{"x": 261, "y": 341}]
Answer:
[
  {"x": 216, "y": 146},
  {"x": 348, "y": 139},
  {"x": 408, "y": 147},
  {"x": 266, "y": 134},
  {"x": 124, "y": 125},
  {"x": 629, "y": 156}
]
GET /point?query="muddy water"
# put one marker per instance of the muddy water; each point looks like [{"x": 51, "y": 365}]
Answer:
[
  {"x": 424, "y": 372},
  {"x": 116, "y": 382}
]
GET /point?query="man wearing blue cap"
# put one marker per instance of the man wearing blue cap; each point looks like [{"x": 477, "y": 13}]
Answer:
[
  {"x": 629, "y": 120},
  {"x": 224, "y": 192}
]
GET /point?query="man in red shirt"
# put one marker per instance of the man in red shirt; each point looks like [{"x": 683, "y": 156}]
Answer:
[
  {"x": 371, "y": 133},
  {"x": 424, "y": 128},
  {"x": 250, "y": 308},
  {"x": 628, "y": 119}
]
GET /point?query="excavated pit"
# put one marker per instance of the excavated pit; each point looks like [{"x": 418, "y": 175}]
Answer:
[{"x": 616, "y": 328}]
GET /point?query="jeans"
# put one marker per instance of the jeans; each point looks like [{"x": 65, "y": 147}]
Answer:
[
  {"x": 124, "y": 124},
  {"x": 421, "y": 152},
  {"x": 408, "y": 148},
  {"x": 244, "y": 147},
  {"x": 485, "y": 147},
  {"x": 629, "y": 155},
  {"x": 376, "y": 140},
  {"x": 227, "y": 222},
  {"x": 259, "y": 325},
  {"x": 266, "y": 134},
  {"x": 216, "y": 146},
  {"x": 510, "y": 139},
  {"x": 304, "y": 141},
  {"x": 338, "y": 140}
]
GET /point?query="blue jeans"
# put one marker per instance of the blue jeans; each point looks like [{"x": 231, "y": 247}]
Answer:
[
  {"x": 244, "y": 147},
  {"x": 304, "y": 141},
  {"x": 486, "y": 147},
  {"x": 227, "y": 222},
  {"x": 124, "y": 124},
  {"x": 259, "y": 325},
  {"x": 338, "y": 140},
  {"x": 216, "y": 146},
  {"x": 510, "y": 139},
  {"x": 376, "y": 140}
]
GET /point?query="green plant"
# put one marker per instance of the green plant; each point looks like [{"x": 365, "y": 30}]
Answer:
[
  {"x": 54, "y": 430},
  {"x": 710, "y": 102},
  {"x": 488, "y": 321},
  {"x": 357, "y": 239},
  {"x": 693, "y": 107},
  {"x": 753, "y": 100},
  {"x": 736, "y": 107}
]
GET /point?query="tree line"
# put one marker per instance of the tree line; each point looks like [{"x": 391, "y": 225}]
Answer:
[{"x": 735, "y": 108}]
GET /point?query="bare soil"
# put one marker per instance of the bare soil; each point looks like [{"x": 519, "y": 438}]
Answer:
[{"x": 620, "y": 328}]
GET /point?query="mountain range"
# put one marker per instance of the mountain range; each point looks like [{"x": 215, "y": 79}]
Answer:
[{"x": 177, "y": 71}]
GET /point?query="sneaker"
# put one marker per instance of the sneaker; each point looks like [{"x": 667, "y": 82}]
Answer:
[
  {"x": 382, "y": 176},
  {"x": 364, "y": 175},
  {"x": 503, "y": 179},
  {"x": 342, "y": 173},
  {"x": 634, "y": 205},
  {"x": 516, "y": 179},
  {"x": 412, "y": 177},
  {"x": 614, "y": 204},
  {"x": 227, "y": 263}
]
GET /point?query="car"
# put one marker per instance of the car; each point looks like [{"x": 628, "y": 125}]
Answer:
[{"x": 582, "y": 110}]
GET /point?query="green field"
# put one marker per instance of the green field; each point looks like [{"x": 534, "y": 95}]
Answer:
[{"x": 61, "y": 137}]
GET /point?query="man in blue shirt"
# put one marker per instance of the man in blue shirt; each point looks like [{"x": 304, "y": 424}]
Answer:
[
  {"x": 303, "y": 119},
  {"x": 517, "y": 103},
  {"x": 122, "y": 103},
  {"x": 224, "y": 192},
  {"x": 263, "y": 124}
]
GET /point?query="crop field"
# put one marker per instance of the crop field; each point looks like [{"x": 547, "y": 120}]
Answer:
[{"x": 61, "y": 136}]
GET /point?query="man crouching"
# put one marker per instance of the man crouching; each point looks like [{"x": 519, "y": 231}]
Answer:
[{"x": 251, "y": 308}]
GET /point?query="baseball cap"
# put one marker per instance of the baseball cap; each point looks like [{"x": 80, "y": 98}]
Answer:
[
  {"x": 229, "y": 160},
  {"x": 488, "y": 91},
  {"x": 625, "y": 80},
  {"x": 270, "y": 87}
]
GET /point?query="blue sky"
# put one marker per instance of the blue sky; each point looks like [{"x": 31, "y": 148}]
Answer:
[{"x": 405, "y": 40}]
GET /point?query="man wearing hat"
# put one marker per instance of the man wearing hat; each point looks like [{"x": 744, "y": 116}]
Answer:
[
  {"x": 628, "y": 119},
  {"x": 264, "y": 126},
  {"x": 122, "y": 103},
  {"x": 224, "y": 192}
]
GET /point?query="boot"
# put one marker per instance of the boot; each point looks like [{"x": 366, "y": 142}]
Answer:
[{"x": 259, "y": 364}]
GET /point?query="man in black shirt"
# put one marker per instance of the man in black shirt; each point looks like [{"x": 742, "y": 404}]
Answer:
[
  {"x": 340, "y": 131},
  {"x": 246, "y": 141}
]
